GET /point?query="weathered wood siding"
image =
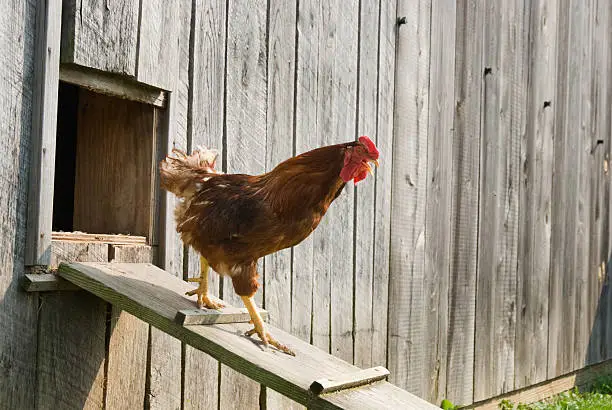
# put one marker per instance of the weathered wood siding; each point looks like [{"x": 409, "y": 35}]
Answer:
[{"x": 476, "y": 262}]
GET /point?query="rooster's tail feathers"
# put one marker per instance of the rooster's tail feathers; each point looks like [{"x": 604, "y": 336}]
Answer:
[{"x": 180, "y": 172}]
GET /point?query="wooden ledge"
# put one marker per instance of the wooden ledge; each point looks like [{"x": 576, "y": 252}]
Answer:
[
  {"x": 45, "y": 282},
  {"x": 156, "y": 297}
]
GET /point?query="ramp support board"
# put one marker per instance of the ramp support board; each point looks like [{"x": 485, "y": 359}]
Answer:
[{"x": 156, "y": 297}]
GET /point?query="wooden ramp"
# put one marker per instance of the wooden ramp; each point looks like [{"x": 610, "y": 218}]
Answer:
[{"x": 312, "y": 378}]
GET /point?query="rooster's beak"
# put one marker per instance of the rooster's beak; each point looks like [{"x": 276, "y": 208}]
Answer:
[
  {"x": 370, "y": 170},
  {"x": 375, "y": 161}
]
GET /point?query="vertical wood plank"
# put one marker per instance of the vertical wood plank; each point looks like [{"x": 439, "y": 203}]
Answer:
[
  {"x": 205, "y": 127},
  {"x": 364, "y": 193},
  {"x": 503, "y": 126},
  {"x": 342, "y": 120},
  {"x": 465, "y": 196},
  {"x": 127, "y": 344},
  {"x": 246, "y": 141},
  {"x": 535, "y": 200},
  {"x": 69, "y": 325},
  {"x": 600, "y": 189},
  {"x": 279, "y": 146},
  {"x": 383, "y": 183},
  {"x": 164, "y": 388},
  {"x": 113, "y": 165},
  {"x": 44, "y": 125},
  {"x": 561, "y": 314},
  {"x": 406, "y": 277},
  {"x": 438, "y": 186},
  {"x": 159, "y": 42},
  {"x": 101, "y": 35}
]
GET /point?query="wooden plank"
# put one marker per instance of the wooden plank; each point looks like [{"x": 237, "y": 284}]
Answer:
[
  {"x": 351, "y": 380},
  {"x": 112, "y": 85},
  {"x": 438, "y": 203},
  {"x": 95, "y": 237},
  {"x": 70, "y": 324},
  {"x": 46, "y": 282},
  {"x": 113, "y": 166},
  {"x": 338, "y": 124},
  {"x": 246, "y": 143},
  {"x": 19, "y": 310},
  {"x": 535, "y": 200},
  {"x": 583, "y": 379},
  {"x": 227, "y": 314},
  {"x": 205, "y": 128},
  {"x": 365, "y": 193},
  {"x": 280, "y": 146},
  {"x": 581, "y": 132},
  {"x": 465, "y": 196},
  {"x": 101, "y": 35},
  {"x": 128, "y": 343},
  {"x": 503, "y": 125},
  {"x": 158, "y": 42},
  {"x": 406, "y": 328},
  {"x": 165, "y": 371},
  {"x": 154, "y": 296},
  {"x": 383, "y": 184},
  {"x": 561, "y": 313},
  {"x": 600, "y": 218},
  {"x": 44, "y": 125}
]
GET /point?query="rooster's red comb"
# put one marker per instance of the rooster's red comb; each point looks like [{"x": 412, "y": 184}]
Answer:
[{"x": 372, "y": 150}]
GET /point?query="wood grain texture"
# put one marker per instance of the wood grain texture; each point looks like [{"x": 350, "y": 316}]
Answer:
[
  {"x": 101, "y": 35},
  {"x": 128, "y": 343},
  {"x": 246, "y": 108},
  {"x": 112, "y": 85},
  {"x": 205, "y": 128},
  {"x": 465, "y": 197},
  {"x": 44, "y": 125},
  {"x": 277, "y": 282},
  {"x": 600, "y": 188},
  {"x": 438, "y": 203},
  {"x": 154, "y": 296},
  {"x": 364, "y": 193},
  {"x": 71, "y": 325},
  {"x": 166, "y": 354},
  {"x": 561, "y": 314},
  {"x": 159, "y": 42},
  {"x": 535, "y": 201},
  {"x": 406, "y": 329},
  {"x": 113, "y": 167},
  {"x": 503, "y": 125},
  {"x": 18, "y": 310},
  {"x": 382, "y": 201}
]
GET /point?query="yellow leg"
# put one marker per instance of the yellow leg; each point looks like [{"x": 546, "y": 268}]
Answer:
[
  {"x": 202, "y": 289},
  {"x": 260, "y": 329}
]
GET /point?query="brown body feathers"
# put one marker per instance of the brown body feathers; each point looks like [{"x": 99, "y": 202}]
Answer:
[{"x": 234, "y": 219}]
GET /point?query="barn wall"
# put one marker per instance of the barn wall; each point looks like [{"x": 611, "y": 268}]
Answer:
[
  {"x": 475, "y": 263},
  {"x": 18, "y": 312}
]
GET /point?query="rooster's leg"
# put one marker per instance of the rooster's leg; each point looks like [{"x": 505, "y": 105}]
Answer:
[
  {"x": 202, "y": 290},
  {"x": 260, "y": 329}
]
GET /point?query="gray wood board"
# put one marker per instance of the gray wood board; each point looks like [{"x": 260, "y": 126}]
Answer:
[
  {"x": 154, "y": 296},
  {"x": 535, "y": 200},
  {"x": 18, "y": 309},
  {"x": 70, "y": 324},
  {"x": 438, "y": 203},
  {"x": 44, "y": 125},
  {"x": 465, "y": 196},
  {"x": 406, "y": 329},
  {"x": 101, "y": 35},
  {"x": 503, "y": 124}
]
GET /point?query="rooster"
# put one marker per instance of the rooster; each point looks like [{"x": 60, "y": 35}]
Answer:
[{"x": 232, "y": 220}]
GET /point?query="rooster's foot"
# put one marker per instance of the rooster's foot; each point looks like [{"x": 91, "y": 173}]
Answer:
[{"x": 266, "y": 338}]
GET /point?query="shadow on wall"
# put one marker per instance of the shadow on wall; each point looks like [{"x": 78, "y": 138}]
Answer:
[{"x": 599, "y": 348}]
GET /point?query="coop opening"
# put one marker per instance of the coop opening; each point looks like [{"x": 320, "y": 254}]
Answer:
[{"x": 107, "y": 151}]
